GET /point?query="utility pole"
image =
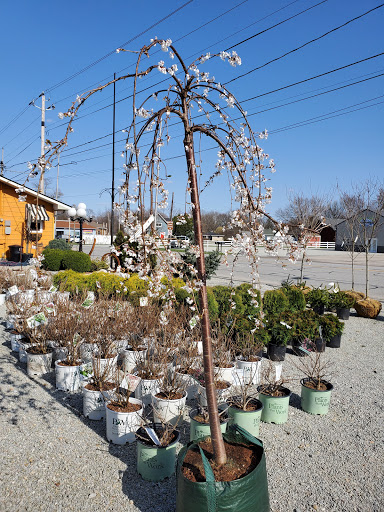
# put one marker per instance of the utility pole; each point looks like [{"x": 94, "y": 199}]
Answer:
[
  {"x": 41, "y": 188},
  {"x": 173, "y": 195},
  {"x": 2, "y": 162},
  {"x": 113, "y": 156},
  {"x": 43, "y": 108}
]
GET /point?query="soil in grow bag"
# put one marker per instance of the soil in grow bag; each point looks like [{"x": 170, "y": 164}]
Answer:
[{"x": 241, "y": 460}]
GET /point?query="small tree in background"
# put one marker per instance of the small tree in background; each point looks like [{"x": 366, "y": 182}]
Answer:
[{"x": 306, "y": 216}]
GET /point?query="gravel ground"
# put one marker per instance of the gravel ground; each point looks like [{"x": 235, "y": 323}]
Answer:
[{"x": 54, "y": 459}]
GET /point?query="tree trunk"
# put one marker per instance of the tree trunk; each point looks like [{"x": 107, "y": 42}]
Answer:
[
  {"x": 214, "y": 421},
  {"x": 353, "y": 266},
  {"x": 302, "y": 267},
  {"x": 366, "y": 269}
]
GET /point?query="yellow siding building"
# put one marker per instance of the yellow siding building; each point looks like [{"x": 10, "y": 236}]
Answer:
[{"x": 26, "y": 218}]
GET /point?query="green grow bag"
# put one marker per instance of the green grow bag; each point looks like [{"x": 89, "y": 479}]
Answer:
[
  {"x": 314, "y": 401},
  {"x": 247, "y": 494}
]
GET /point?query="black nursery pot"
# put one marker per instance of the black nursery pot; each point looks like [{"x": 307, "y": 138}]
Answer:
[
  {"x": 319, "y": 309},
  {"x": 319, "y": 345},
  {"x": 276, "y": 352},
  {"x": 343, "y": 313},
  {"x": 334, "y": 342}
]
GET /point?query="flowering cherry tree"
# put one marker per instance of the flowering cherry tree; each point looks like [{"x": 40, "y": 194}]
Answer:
[{"x": 202, "y": 107}]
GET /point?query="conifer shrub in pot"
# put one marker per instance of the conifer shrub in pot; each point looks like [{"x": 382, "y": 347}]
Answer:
[
  {"x": 281, "y": 335},
  {"x": 295, "y": 296},
  {"x": 318, "y": 299},
  {"x": 305, "y": 331},
  {"x": 332, "y": 329},
  {"x": 342, "y": 303},
  {"x": 275, "y": 302}
]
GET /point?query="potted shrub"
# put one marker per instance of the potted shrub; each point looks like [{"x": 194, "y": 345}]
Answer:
[
  {"x": 169, "y": 402},
  {"x": 124, "y": 414},
  {"x": 199, "y": 426},
  {"x": 244, "y": 407},
  {"x": 39, "y": 355},
  {"x": 318, "y": 299},
  {"x": 295, "y": 296},
  {"x": 332, "y": 329},
  {"x": 150, "y": 370},
  {"x": 274, "y": 396},
  {"x": 249, "y": 354},
  {"x": 281, "y": 335},
  {"x": 95, "y": 390},
  {"x": 156, "y": 451},
  {"x": 305, "y": 331},
  {"x": 275, "y": 302},
  {"x": 342, "y": 303},
  {"x": 222, "y": 388},
  {"x": 315, "y": 389}
]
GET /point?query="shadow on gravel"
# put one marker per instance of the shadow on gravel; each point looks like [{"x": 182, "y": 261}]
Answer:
[{"x": 295, "y": 401}]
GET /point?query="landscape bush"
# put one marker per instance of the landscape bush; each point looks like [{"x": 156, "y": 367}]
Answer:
[
  {"x": 275, "y": 302},
  {"x": 52, "y": 259},
  {"x": 77, "y": 261},
  {"x": 59, "y": 243},
  {"x": 295, "y": 296}
]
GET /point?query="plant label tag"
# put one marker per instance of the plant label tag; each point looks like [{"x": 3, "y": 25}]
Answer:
[
  {"x": 36, "y": 320},
  {"x": 53, "y": 289},
  {"x": 152, "y": 434},
  {"x": 13, "y": 290},
  {"x": 143, "y": 301},
  {"x": 132, "y": 381},
  {"x": 304, "y": 350},
  {"x": 50, "y": 308},
  {"x": 278, "y": 370},
  {"x": 90, "y": 299}
]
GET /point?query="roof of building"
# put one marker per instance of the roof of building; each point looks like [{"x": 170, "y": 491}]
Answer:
[{"x": 57, "y": 205}]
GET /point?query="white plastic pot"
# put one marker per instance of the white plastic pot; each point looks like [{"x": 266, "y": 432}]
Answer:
[
  {"x": 188, "y": 383},
  {"x": 39, "y": 364},
  {"x": 106, "y": 367},
  {"x": 169, "y": 411},
  {"x": 87, "y": 351},
  {"x": 94, "y": 403},
  {"x": 15, "y": 341},
  {"x": 222, "y": 395},
  {"x": 2, "y": 299},
  {"x": 224, "y": 373},
  {"x": 23, "y": 346},
  {"x": 130, "y": 358},
  {"x": 121, "y": 426},
  {"x": 67, "y": 377},
  {"x": 145, "y": 390},
  {"x": 251, "y": 371}
]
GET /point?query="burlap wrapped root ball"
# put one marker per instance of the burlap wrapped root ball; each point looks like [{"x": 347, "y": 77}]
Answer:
[
  {"x": 355, "y": 295},
  {"x": 368, "y": 308}
]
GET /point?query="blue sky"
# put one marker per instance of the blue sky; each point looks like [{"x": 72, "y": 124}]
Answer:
[{"x": 43, "y": 43}]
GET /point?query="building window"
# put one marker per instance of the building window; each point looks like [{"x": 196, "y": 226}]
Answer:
[{"x": 37, "y": 227}]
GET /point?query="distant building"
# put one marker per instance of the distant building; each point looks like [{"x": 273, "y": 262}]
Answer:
[
  {"x": 347, "y": 232},
  {"x": 164, "y": 226},
  {"x": 69, "y": 229},
  {"x": 328, "y": 233},
  {"x": 26, "y": 218}
]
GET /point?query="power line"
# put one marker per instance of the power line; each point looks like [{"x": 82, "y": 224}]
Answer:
[
  {"x": 243, "y": 101},
  {"x": 14, "y": 119},
  {"x": 302, "y": 46},
  {"x": 122, "y": 45}
]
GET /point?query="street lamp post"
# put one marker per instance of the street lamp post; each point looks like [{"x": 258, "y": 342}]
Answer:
[{"x": 79, "y": 214}]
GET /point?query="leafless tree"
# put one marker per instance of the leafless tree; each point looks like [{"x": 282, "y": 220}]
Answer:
[{"x": 306, "y": 216}]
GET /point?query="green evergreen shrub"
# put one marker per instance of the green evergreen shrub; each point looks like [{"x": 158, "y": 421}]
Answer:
[
  {"x": 77, "y": 261},
  {"x": 275, "y": 302},
  {"x": 331, "y": 326},
  {"x": 280, "y": 333},
  {"x": 53, "y": 259},
  {"x": 295, "y": 296},
  {"x": 318, "y": 297},
  {"x": 98, "y": 265},
  {"x": 212, "y": 262},
  {"x": 59, "y": 243}
]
